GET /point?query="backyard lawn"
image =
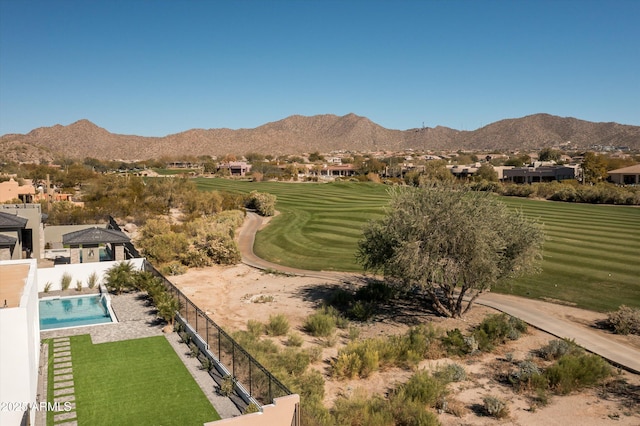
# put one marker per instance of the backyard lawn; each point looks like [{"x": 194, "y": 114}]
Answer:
[
  {"x": 591, "y": 252},
  {"x": 133, "y": 382}
]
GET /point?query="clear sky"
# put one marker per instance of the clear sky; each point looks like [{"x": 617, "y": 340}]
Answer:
[{"x": 158, "y": 67}]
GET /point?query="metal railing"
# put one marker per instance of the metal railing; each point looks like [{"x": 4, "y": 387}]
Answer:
[
  {"x": 130, "y": 251},
  {"x": 256, "y": 379}
]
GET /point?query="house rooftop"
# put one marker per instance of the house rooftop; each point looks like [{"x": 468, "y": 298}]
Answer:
[
  {"x": 95, "y": 236},
  {"x": 13, "y": 278},
  {"x": 8, "y": 220}
]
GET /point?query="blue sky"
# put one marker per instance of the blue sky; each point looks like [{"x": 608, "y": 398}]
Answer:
[{"x": 158, "y": 67}]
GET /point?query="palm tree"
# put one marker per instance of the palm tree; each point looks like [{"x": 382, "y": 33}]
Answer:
[
  {"x": 120, "y": 277},
  {"x": 167, "y": 306}
]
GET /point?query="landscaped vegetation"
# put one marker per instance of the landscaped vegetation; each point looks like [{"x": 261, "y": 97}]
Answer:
[
  {"x": 589, "y": 253},
  {"x": 140, "y": 381}
]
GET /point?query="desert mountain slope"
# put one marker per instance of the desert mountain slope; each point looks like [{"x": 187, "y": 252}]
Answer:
[{"x": 297, "y": 134}]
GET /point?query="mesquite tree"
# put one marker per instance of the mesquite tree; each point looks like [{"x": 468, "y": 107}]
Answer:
[{"x": 450, "y": 242}]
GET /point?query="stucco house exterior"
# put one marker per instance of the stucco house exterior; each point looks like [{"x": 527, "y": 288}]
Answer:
[{"x": 626, "y": 175}]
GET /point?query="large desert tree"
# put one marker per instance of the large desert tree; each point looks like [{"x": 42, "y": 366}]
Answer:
[{"x": 451, "y": 243}]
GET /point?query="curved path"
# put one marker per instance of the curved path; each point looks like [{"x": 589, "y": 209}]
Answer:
[{"x": 536, "y": 313}]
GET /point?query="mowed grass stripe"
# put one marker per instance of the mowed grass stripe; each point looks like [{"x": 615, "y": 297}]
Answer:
[
  {"x": 584, "y": 243},
  {"x": 589, "y": 254}
]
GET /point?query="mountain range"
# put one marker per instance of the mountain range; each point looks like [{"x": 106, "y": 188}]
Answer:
[{"x": 324, "y": 133}]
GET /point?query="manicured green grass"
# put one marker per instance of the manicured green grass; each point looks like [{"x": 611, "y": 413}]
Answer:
[
  {"x": 319, "y": 224},
  {"x": 135, "y": 382},
  {"x": 167, "y": 172},
  {"x": 591, "y": 253}
]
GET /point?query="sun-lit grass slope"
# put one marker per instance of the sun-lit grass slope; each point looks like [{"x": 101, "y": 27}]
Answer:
[
  {"x": 135, "y": 382},
  {"x": 591, "y": 254},
  {"x": 319, "y": 224}
]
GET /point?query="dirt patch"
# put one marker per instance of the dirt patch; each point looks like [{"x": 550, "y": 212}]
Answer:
[{"x": 233, "y": 295}]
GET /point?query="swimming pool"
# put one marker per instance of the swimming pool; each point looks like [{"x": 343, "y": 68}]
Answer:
[{"x": 74, "y": 311}]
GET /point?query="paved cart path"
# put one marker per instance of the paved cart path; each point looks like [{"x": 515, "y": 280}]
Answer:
[{"x": 542, "y": 315}]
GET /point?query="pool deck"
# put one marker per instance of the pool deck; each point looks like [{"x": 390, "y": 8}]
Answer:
[{"x": 136, "y": 319}]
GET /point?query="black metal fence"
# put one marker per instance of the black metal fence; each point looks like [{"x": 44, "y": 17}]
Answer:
[
  {"x": 130, "y": 251},
  {"x": 257, "y": 380}
]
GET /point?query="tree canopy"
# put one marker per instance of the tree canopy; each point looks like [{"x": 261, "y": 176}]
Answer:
[{"x": 449, "y": 242}]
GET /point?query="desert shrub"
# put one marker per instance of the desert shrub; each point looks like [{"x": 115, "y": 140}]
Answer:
[
  {"x": 497, "y": 329},
  {"x": 92, "y": 280},
  {"x": 278, "y": 325},
  {"x": 574, "y": 372},
  {"x": 403, "y": 351},
  {"x": 362, "y": 410},
  {"x": 424, "y": 388},
  {"x": 320, "y": 324},
  {"x": 495, "y": 407},
  {"x": 78, "y": 285},
  {"x": 227, "y": 386},
  {"x": 330, "y": 341},
  {"x": 625, "y": 320},
  {"x": 354, "y": 333},
  {"x": 451, "y": 373},
  {"x": 294, "y": 339},
  {"x": 557, "y": 348},
  {"x": 174, "y": 268},
  {"x": 47, "y": 286},
  {"x": 292, "y": 361},
  {"x": 315, "y": 353},
  {"x": 455, "y": 343},
  {"x": 251, "y": 408},
  {"x": 263, "y": 203},
  {"x": 65, "y": 281},
  {"x": 412, "y": 413},
  {"x": 346, "y": 366},
  {"x": 516, "y": 190},
  {"x": 255, "y": 328},
  {"x": 361, "y": 311},
  {"x": 528, "y": 376}
]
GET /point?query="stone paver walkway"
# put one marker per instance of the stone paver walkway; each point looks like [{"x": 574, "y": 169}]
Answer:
[{"x": 63, "y": 390}]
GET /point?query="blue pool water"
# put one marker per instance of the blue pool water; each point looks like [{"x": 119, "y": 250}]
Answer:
[{"x": 73, "y": 312}]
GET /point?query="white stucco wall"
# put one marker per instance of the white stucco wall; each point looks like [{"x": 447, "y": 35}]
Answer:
[
  {"x": 20, "y": 351},
  {"x": 78, "y": 271}
]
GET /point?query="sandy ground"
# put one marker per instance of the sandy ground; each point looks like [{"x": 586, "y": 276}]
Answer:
[{"x": 232, "y": 295}]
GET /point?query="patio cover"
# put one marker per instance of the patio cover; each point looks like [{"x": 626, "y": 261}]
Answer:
[{"x": 95, "y": 236}]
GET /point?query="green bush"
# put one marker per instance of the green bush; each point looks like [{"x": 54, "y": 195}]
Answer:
[
  {"x": 263, "y": 203},
  {"x": 320, "y": 324},
  {"x": 574, "y": 372},
  {"x": 625, "y": 320},
  {"x": 346, "y": 366},
  {"x": 455, "y": 343},
  {"x": 497, "y": 329},
  {"x": 294, "y": 339},
  {"x": 528, "y": 376},
  {"x": 278, "y": 325},
  {"x": 557, "y": 348},
  {"x": 361, "y": 311},
  {"x": 255, "y": 328},
  {"x": 422, "y": 387}
]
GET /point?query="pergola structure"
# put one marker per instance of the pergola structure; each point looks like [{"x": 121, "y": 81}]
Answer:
[{"x": 85, "y": 244}]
